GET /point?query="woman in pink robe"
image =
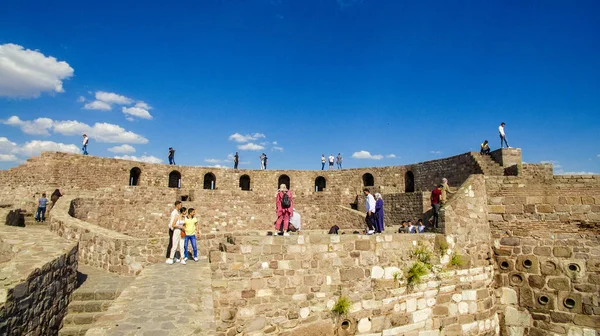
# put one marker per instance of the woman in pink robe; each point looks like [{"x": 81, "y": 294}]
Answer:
[{"x": 283, "y": 214}]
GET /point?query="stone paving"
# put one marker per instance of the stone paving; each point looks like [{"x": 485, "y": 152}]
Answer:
[
  {"x": 96, "y": 284},
  {"x": 163, "y": 300}
]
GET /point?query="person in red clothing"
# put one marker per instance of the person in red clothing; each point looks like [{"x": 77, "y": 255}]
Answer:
[
  {"x": 285, "y": 207},
  {"x": 436, "y": 194}
]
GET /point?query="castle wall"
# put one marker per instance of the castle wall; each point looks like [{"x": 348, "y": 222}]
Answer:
[
  {"x": 37, "y": 277},
  {"x": 288, "y": 285}
]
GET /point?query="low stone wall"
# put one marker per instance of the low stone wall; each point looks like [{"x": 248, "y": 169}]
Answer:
[
  {"x": 405, "y": 206},
  {"x": 288, "y": 285},
  {"x": 549, "y": 283},
  {"x": 37, "y": 276}
]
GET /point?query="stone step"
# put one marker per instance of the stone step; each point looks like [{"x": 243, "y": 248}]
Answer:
[
  {"x": 81, "y": 319},
  {"x": 92, "y": 306},
  {"x": 73, "y": 330},
  {"x": 95, "y": 295}
]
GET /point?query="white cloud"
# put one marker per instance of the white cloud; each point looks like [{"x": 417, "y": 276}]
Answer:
[
  {"x": 218, "y": 166},
  {"x": 97, "y": 105},
  {"x": 213, "y": 160},
  {"x": 28, "y": 73},
  {"x": 137, "y": 111},
  {"x": 81, "y": 99},
  {"x": 366, "y": 155},
  {"x": 274, "y": 142},
  {"x": 277, "y": 149},
  {"x": 123, "y": 149},
  {"x": 251, "y": 146},
  {"x": 143, "y": 105},
  {"x": 237, "y": 137},
  {"x": 8, "y": 158},
  {"x": 35, "y": 147},
  {"x": 112, "y": 98},
  {"x": 38, "y": 126},
  {"x": 129, "y": 119},
  {"x": 391, "y": 156},
  {"x": 101, "y": 132},
  {"x": 6, "y": 146},
  {"x": 143, "y": 158},
  {"x": 435, "y": 152}
]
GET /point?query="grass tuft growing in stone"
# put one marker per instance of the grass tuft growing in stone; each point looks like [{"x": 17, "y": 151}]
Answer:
[
  {"x": 456, "y": 260},
  {"x": 342, "y": 306},
  {"x": 423, "y": 255},
  {"x": 416, "y": 272}
]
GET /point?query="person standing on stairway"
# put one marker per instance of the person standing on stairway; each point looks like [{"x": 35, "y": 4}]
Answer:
[
  {"x": 502, "y": 136},
  {"x": 445, "y": 191}
]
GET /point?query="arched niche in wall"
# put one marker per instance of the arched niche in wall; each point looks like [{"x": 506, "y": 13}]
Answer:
[
  {"x": 174, "y": 179},
  {"x": 134, "y": 176},
  {"x": 409, "y": 182},
  {"x": 245, "y": 182},
  {"x": 320, "y": 183},
  {"x": 210, "y": 181},
  {"x": 368, "y": 180},
  {"x": 283, "y": 179}
]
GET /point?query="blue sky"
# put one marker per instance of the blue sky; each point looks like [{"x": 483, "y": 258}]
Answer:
[{"x": 419, "y": 80}]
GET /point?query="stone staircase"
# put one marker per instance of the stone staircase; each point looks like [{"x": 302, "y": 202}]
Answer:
[
  {"x": 96, "y": 292},
  {"x": 487, "y": 165}
]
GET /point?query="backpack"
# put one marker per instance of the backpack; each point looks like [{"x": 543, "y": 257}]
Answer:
[{"x": 285, "y": 201}]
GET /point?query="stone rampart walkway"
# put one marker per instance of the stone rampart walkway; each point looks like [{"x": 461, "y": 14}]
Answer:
[{"x": 163, "y": 300}]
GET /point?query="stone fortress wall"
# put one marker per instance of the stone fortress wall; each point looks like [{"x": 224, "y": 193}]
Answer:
[{"x": 505, "y": 215}]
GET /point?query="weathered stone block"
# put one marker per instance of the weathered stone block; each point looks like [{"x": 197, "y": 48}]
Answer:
[
  {"x": 542, "y": 251},
  {"x": 352, "y": 274},
  {"x": 560, "y": 284},
  {"x": 496, "y": 209},
  {"x": 510, "y": 241},
  {"x": 544, "y": 208},
  {"x": 562, "y": 252}
]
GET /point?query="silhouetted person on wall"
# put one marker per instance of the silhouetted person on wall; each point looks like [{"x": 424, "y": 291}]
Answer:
[
  {"x": 339, "y": 160},
  {"x": 171, "y": 156},
  {"x": 262, "y": 160},
  {"x": 323, "y": 160},
  {"x": 265, "y": 160},
  {"x": 285, "y": 205},
  {"x": 236, "y": 160}
]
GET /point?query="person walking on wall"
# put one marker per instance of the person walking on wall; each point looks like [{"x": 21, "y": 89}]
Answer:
[
  {"x": 172, "y": 218},
  {"x": 262, "y": 161},
  {"x": 485, "y": 148},
  {"x": 265, "y": 161},
  {"x": 323, "y": 160},
  {"x": 379, "y": 213},
  {"x": 178, "y": 226},
  {"x": 370, "y": 208},
  {"x": 445, "y": 191},
  {"x": 502, "y": 136},
  {"x": 284, "y": 203},
  {"x": 190, "y": 225},
  {"x": 171, "y": 156},
  {"x": 331, "y": 161},
  {"x": 85, "y": 143},
  {"x": 40, "y": 214},
  {"x": 339, "y": 161},
  {"x": 236, "y": 160},
  {"x": 436, "y": 194}
]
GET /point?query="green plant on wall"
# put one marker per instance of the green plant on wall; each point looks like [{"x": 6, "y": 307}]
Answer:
[
  {"x": 342, "y": 306},
  {"x": 456, "y": 260},
  {"x": 415, "y": 273},
  {"x": 423, "y": 255},
  {"x": 443, "y": 246}
]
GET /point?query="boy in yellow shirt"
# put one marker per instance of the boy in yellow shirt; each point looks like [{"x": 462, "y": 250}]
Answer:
[{"x": 190, "y": 225}]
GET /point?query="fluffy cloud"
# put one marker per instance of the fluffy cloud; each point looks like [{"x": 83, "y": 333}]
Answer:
[
  {"x": 8, "y": 158},
  {"x": 213, "y": 161},
  {"x": 143, "y": 158},
  {"x": 27, "y": 73},
  {"x": 38, "y": 126},
  {"x": 81, "y": 99},
  {"x": 112, "y": 98},
  {"x": 251, "y": 146},
  {"x": 237, "y": 137},
  {"x": 143, "y": 105},
  {"x": 277, "y": 149},
  {"x": 35, "y": 147},
  {"x": 6, "y": 146},
  {"x": 366, "y": 155},
  {"x": 123, "y": 149},
  {"x": 101, "y": 132},
  {"x": 97, "y": 105},
  {"x": 391, "y": 156},
  {"x": 137, "y": 111}
]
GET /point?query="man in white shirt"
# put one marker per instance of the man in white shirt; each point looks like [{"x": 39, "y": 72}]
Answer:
[
  {"x": 331, "y": 161},
  {"x": 502, "y": 136},
  {"x": 85, "y": 143},
  {"x": 174, "y": 215},
  {"x": 370, "y": 207}
]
